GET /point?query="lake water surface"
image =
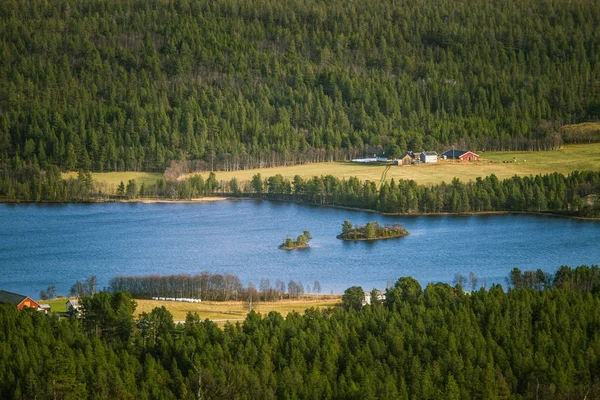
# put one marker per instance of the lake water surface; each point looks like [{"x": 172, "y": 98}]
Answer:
[{"x": 42, "y": 245}]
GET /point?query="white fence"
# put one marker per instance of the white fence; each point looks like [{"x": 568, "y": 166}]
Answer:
[{"x": 183, "y": 299}]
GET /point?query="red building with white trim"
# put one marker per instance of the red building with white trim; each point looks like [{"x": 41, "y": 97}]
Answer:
[
  {"x": 463, "y": 155},
  {"x": 18, "y": 300}
]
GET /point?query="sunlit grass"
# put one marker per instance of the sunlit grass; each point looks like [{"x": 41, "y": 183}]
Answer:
[
  {"x": 113, "y": 179},
  {"x": 56, "y": 305},
  {"x": 236, "y": 310},
  {"x": 504, "y": 164}
]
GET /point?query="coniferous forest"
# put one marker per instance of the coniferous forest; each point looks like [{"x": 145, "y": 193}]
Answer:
[
  {"x": 139, "y": 85},
  {"x": 115, "y": 85},
  {"x": 538, "y": 340}
]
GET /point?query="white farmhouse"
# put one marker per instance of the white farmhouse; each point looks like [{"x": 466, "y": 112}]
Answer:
[{"x": 429, "y": 157}]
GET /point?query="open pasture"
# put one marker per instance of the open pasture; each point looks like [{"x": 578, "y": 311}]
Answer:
[
  {"x": 113, "y": 179},
  {"x": 237, "y": 310},
  {"x": 504, "y": 164},
  {"x": 222, "y": 311}
]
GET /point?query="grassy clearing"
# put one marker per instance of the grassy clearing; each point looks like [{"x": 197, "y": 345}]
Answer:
[
  {"x": 236, "y": 310},
  {"x": 567, "y": 159},
  {"x": 114, "y": 178},
  {"x": 221, "y": 311},
  {"x": 56, "y": 305}
]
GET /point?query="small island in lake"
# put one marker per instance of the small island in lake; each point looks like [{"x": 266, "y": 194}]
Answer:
[
  {"x": 300, "y": 243},
  {"x": 372, "y": 231}
]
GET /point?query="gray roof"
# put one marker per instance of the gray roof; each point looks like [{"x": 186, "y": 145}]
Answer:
[
  {"x": 430, "y": 153},
  {"x": 454, "y": 153},
  {"x": 12, "y": 298}
]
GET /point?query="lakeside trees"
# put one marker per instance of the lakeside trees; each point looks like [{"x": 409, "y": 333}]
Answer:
[
  {"x": 205, "y": 286},
  {"x": 577, "y": 193},
  {"x": 371, "y": 231},
  {"x": 423, "y": 342},
  {"x": 300, "y": 243}
]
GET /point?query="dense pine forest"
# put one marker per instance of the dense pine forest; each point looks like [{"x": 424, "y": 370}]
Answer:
[
  {"x": 115, "y": 85},
  {"x": 534, "y": 341}
]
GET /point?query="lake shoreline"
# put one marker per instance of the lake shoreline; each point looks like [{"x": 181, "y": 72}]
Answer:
[
  {"x": 370, "y": 240},
  {"x": 440, "y": 214},
  {"x": 209, "y": 199},
  {"x": 290, "y": 248}
]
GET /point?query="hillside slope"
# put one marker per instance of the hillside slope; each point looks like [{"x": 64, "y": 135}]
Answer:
[{"x": 117, "y": 85}]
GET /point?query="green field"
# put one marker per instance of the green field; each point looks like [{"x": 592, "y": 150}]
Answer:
[
  {"x": 221, "y": 310},
  {"x": 112, "y": 179},
  {"x": 504, "y": 164},
  {"x": 237, "y": 310},
  {"x": 56, "y": 305}
]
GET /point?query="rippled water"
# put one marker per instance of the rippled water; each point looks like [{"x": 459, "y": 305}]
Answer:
[{"x": 42, "y": 245}]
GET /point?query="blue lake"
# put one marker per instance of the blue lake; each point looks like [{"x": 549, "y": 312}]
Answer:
[{"x": 42, "y": 245}]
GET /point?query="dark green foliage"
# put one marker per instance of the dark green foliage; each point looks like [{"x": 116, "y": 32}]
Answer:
[
  {"x": 431, "y": 343},
  {"x": 372, "y": 231},
  {"x": 300, "y": 243},
  {"x": 134, "y": 84},
  {"x": 575, "y": 194},
  {"x": 26, "y": 182},
  {"x": 353, "y": 298},
  {"x": 109, "y": 316}
]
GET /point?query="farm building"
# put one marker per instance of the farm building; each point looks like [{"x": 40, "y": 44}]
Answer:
[
  {"x": 367, "y": 299},
  {"x": 406, "y": 159},
  {"x": 72, "y": 307},
  {"x": 429, "y": 157},
  {"x": 18, "y": 300},
  {"x": 463, "y": 155}
]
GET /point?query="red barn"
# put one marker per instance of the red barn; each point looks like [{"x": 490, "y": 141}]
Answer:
[
  {"x": 18, "y": 300},
  {"x": 462, "y": 155}
]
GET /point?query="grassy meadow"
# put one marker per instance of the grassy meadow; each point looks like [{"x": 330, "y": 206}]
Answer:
[
  {"x": 221, "y": 311},
  {"x": 56, "y": 305},
  {"x": 236, "y": 310},
  {"x": 504, "y": 164},
  {"x": 112, "y": 179}
]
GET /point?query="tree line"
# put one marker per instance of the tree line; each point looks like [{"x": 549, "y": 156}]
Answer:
[
  {"x": 130, "y": 85},
  {"x": 209, "y": 287},
  {"x": 575, "y": 194},
  {"x": 427, "y": 342}
]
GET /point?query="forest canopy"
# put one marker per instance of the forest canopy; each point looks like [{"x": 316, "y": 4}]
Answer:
[{"x": 116, "y": 85}]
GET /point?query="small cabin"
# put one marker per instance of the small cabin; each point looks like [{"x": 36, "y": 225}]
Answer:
[
  {"x": 72, "y": 307},
  {"x": 407, "y": 158},
  {"x": 429, "y": 157},
  {"x": 367, "y": 299},
  {"x": 45, "y": 308}
]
